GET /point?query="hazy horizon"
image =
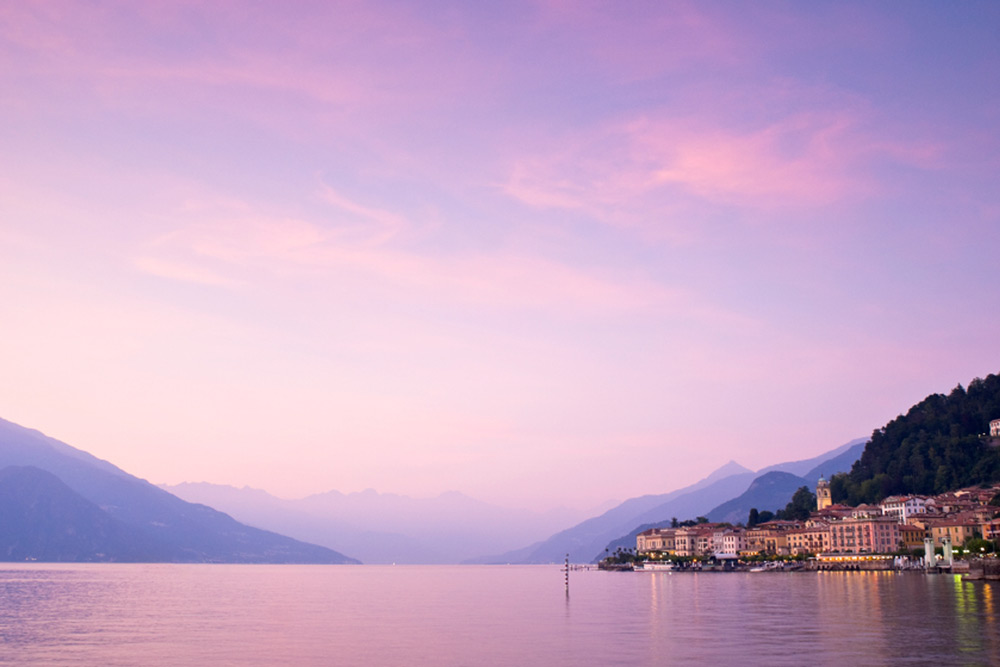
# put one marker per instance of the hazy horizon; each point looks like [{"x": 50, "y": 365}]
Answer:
[{"x": 543, "y": 254}]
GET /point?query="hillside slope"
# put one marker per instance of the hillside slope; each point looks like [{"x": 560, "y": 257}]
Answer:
[
  {"x": 940, "y": 444},
  {"x": 191, "y": 533},
  {"x": 43, "y": 519},
  {"x": 587, "y": 538},
  {"x": 770, "y": 491}
]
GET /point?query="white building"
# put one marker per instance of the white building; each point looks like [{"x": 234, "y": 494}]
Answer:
[
  {"x": 728, "y": 542},
  {"x": 995, "y": 428},
  {"x": 903, "y": 507}
]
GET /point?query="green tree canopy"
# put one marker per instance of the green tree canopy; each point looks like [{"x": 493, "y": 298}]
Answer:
[
  {"x": 802, "y": 504},
  {"x": 939, "y": 445}
]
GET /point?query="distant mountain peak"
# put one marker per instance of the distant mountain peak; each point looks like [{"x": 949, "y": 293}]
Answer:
[{"x": 727, "y": 470}]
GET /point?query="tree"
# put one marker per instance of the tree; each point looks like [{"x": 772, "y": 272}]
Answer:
[
  {"x": 937, "y": 446},
  {"x": 978, "y": 545},
  {"x": 802, "y": 504},
  {"x": 754, "y": 517},
  {"x": 673, "y": 522}
]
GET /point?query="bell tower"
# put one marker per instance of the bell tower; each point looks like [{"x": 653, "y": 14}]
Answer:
[{"x": 823, "y": 499}]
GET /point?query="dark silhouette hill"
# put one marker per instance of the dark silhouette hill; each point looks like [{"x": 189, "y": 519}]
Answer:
[
  {"x": 188, "y": 532},
  {"x": 942, "y": 443},
  {"x": 770, "y": 491}
]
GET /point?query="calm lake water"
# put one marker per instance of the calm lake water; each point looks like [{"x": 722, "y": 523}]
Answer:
[{"x": 483, "y": 615}]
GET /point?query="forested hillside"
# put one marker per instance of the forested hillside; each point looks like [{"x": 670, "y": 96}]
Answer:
[{"x": 940, "y": 444}]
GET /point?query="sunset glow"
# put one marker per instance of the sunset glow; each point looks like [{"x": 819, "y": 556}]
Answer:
[{"x": 543, "y": 253}]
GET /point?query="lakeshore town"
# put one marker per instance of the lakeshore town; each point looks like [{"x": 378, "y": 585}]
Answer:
[{"x": 950, "y": 532}]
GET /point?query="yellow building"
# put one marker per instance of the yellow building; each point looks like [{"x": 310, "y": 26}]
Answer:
[
  {"x": 912, "y": 536},
  {"x": 655, "y": 539},
  {"x": 813, "y": 539},
  {"x": 957, "y": 530}
]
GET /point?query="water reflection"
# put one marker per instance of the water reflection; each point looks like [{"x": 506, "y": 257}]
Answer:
[
  {"x": 487, "y": 615},
  {"x": 864, "y": 618}
]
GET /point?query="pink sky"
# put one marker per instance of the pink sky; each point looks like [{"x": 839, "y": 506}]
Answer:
[{"x": 537, "y": 252}]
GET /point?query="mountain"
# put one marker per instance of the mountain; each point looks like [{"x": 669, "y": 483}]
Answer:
[
  {"x": 939, "y": 445},
  {"x": 693, "y": 503},
  {"x": 592, "y": 539},
  {"x": 838, "y": 464},
  {"x": 184, "y": 532},
  {"x": 385, "y": 527},
  {"x": 43, "y": 519},
  {"x": 687, "y": 506},
  {"x": 771, "y": 491},
  {"x": 589, "y": 537},
  {"x": 827, "y": 464}
]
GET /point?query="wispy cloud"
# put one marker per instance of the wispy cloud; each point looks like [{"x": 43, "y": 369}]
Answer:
[
  {"x": 182, "y": 272},
  {"x": 366, "y": 249},
  {"x": 803, "y": 159}
]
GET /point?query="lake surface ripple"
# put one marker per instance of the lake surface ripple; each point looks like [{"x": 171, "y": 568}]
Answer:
[{"x": 487, "y": 615}]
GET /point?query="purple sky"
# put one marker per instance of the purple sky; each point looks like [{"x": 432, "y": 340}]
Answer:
[{"x": 538, "y": 252}]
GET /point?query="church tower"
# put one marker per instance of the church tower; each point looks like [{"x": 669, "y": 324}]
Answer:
[{"x": 823, "y": 499}]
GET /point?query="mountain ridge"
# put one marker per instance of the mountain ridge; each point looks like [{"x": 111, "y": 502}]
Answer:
[
  {"x": 194, "y": 533},
  {"x": 591, "y": 539},
  {"x": 384, "y": 527}
]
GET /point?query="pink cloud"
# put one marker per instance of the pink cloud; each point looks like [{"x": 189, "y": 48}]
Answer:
[
  {"x": 362, "y": 247},
  {"x": 801, "y": 159}
]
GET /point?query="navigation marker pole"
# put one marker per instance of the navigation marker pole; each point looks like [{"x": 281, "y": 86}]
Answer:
[{"x": 567, "y": 575}]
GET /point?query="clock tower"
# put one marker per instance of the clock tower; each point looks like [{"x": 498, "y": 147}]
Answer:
[{"x": 823, "y": 499}]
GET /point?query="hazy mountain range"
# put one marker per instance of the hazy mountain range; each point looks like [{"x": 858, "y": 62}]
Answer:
[
  {"x": 453, "y": 528},
  {"x": 591, "y": 539},
  {"x": 59, "y": 503},
  {"x": 385, "y": 527}
]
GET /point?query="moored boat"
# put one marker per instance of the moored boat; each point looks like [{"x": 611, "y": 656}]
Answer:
[{"x": 653, "y": 566}]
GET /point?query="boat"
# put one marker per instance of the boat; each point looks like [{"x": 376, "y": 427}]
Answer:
[
  {"x": 768, "y": 567},
  {"x": 653, "y": 566}
]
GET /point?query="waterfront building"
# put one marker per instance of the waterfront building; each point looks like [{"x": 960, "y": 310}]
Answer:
[
  {"x": 730, "y": 542},
  {"x": 955, "y": 529},
  {"x": 814, "y": 538},
  {"x": 995, "y": 428},
  {"x": 912, "y": 537},
  {"x": 705, "y": 540},
  {"x": 865, "y": 535},
  {"x": 823, "y": 497},
  {"x": 685, "y": 541},
  {"x": 770, "y": 538},
  {"x": 695, "y": 540},
  {"x": 655, "y": 539}
]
